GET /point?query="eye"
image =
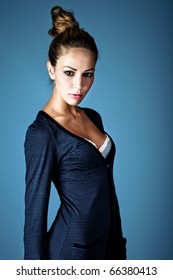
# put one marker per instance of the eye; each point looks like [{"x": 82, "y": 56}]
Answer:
[
  {"x": 88, "y": 74},
  {"x": 69, "y": 73}
]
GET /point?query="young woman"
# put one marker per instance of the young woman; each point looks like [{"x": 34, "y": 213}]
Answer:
[{"x": 67, "y": 145}]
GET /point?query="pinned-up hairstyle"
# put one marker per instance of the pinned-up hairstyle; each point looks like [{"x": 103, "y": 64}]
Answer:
[{"x": 67, "y": 34}]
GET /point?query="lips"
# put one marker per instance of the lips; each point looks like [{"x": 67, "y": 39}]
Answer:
[{"x": 76, "y": 95}]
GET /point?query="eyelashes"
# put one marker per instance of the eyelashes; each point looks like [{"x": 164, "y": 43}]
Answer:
[
  {"x": 86, "y": 74},
  {"x": 69, "y": 73}
]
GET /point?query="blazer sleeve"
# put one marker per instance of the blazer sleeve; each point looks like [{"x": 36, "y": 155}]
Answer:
[{"x": 40, "y": 153}]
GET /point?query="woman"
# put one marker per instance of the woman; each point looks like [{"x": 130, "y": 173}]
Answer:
[{"x": 67, "y": 145}]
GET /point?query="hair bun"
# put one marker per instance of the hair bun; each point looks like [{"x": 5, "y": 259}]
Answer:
[{"x": 61, "y": 20}]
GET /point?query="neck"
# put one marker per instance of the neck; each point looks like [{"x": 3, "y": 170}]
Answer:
[{"x": 57, "y": 106}]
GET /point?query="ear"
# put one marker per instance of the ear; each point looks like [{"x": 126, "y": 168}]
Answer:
[{"x": 51, "y": 70}]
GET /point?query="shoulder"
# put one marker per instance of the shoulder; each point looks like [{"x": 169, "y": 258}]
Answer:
[
  {"x": 39, "y": 131},
  {"x": 94, "y": 116},
  {"x": 91, "y": 112}
]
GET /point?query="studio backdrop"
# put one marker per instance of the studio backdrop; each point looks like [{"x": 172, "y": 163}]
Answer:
[{"x": 133, "y": 92}]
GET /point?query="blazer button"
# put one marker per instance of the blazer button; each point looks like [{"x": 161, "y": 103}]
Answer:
[{"x": 108, "y": 165}]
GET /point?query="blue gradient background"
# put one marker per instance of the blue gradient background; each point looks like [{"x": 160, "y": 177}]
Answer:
[{"x": 133, "y": 91}]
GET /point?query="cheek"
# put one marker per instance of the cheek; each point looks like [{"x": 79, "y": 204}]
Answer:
[
  {"x": 62, "y": 81},
  {"x": 90, "y": 82}
]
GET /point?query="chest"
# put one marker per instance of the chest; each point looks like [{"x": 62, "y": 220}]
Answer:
[{"x": 84, "y": 128}]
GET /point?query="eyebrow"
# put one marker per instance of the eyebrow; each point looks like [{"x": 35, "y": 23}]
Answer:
[{"x": 92, "y": 69}]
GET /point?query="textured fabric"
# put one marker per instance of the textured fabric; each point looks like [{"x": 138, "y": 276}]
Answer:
[{"x": 87, "y": 224}]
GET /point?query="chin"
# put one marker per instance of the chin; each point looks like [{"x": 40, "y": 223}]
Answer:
[{"x": 74, "y": 102}]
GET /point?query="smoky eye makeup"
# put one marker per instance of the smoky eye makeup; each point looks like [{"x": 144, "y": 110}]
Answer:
[
  {"x": 69, "y": 73},
  {"x": 88, "y": 74}
]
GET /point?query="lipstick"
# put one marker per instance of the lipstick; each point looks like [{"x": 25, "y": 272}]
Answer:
[{"x": 76, "y": 95}]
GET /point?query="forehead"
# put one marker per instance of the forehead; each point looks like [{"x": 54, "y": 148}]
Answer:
[{"x": 77, "y": 57}]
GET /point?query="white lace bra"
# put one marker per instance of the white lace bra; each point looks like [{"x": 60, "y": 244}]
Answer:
[{"x": 105, "y": 148}]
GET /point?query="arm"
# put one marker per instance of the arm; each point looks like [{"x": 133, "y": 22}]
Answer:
[{"x": 40, "y": 163}]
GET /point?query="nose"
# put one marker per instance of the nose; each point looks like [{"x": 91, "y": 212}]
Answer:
[{"x": 77, "y": 83}]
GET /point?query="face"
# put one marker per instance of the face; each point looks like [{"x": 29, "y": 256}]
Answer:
[{"x": 73, "y": 75}]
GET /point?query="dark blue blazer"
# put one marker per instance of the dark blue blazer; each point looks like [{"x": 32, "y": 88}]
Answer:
[{"x": 87, "y": 225}]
